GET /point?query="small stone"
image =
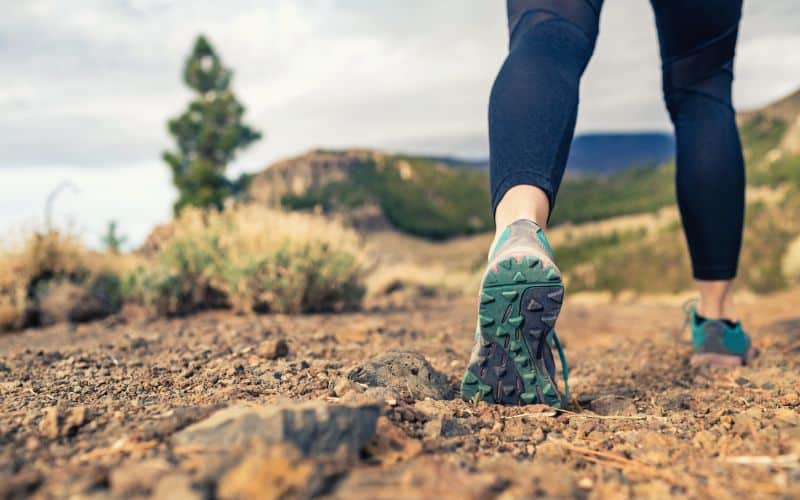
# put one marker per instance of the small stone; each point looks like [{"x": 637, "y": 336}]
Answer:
[
  {"x": 585, "y": 483},
  {"x": 272, "y": 472},
  {"x": 391, "y": 444},
  {"x": 445, "y": 427},
  {"x": 74, "y": 419},
  {"x": 49, "y": 424},
  {"x": 379, "y": 395},
  {"x": 538, "y": 435},
  {"x": 20, "y": 485},
  {"x": 344, "y": 385},
  {"x": 137, "y": 478},
  {"x": 273, "y": 349},
  {"x": 175, "y": 487},
  {"x": 31, "y": 443},
  {"x": 612, "y": 404}
]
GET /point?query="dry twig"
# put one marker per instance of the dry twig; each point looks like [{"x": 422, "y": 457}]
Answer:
[{"x": 791, "y": 460}]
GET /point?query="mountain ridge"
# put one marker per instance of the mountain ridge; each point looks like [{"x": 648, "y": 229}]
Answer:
[{"x": 439, "y": 196}]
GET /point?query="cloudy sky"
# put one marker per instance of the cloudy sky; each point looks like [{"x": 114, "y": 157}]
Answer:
[{"x": 87, "y": 86}]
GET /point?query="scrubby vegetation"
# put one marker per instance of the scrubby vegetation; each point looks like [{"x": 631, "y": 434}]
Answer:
[
  {"x": 635, "y": 190},
  {"x": 251, "y": 259},
  {"x": 248, "y": 259},
  {"x": 50, "y": 276},
  {"x": 767, "y": 164},
  {"x": 658, "y": 261}
]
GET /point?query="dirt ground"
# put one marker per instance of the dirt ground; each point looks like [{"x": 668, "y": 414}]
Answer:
[{"x": 90, "y": 411}]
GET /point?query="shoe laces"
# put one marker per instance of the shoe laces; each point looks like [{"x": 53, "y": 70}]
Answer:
[
  {"x": 564, "y": 365},
  {"x": 689, "y": 311}
]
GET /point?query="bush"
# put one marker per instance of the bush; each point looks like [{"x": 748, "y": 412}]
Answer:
[
  {"x": 252, "y": 259},
  {"x": 54, "y": 268}
]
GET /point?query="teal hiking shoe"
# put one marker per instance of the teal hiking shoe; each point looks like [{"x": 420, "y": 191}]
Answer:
[
  {"x": 717, "y": 342},
  {"x": 520, "y": 298}
]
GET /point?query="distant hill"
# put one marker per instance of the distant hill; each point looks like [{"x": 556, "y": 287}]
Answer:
[
  {"x": 771, "y": 142},
  {"x": 428, "y": 197},
  {"x": 441, "y": 197},
  {"x": 785, "y": 113},
  {"x": 604, "y": 153},
  {"x": 601, "y": 153},
  {"x": 591, "y": 153}
]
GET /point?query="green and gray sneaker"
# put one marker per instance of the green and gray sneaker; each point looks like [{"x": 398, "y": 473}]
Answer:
[
  {"x": 521, "y": 293},
  {"x": 717, "y": 342}
]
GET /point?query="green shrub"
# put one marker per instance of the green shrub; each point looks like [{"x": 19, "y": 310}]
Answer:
[{"x": 252, "y": 259}]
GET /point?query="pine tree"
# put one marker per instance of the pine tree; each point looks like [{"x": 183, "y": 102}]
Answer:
[{"x": 208, "y": 133}]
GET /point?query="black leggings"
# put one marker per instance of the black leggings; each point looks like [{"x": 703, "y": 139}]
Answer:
[{"x": 534, "y": 103}]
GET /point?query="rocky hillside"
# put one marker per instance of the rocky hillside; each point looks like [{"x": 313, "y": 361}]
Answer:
[
  {"x": 439, "y": 198},
  {"x": 783, "y": 114},
  {"x": 771, "y": 140},
  {"x": 422, "y": 196}
]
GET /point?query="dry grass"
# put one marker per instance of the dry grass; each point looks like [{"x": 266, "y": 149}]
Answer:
[
  {"x": 248, "y": 258},
  {"x": 24, "y": 263}
]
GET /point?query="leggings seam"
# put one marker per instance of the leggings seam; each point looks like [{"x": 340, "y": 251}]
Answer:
[
  {"x": 556, "y": 18},
  {"x": 702, "y": 46},
  {"x": 728, "y": 106}
]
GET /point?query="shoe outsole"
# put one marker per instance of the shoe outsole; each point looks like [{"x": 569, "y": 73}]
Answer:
[
  {"x": 715, "y": 359},
  {"x": 520, "y": 301}
]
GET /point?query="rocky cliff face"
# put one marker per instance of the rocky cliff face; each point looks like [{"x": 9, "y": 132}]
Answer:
[{"x": 311, "y": 170}]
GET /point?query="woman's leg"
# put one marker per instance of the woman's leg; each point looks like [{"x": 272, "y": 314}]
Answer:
[
  {"x": 532, "y": 113},
  {"x": 534, "y": 103},
  {"x": 697, "y": 40}
]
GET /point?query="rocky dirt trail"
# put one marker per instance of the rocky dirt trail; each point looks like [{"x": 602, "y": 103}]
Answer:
[{"x": 365, "y": 405}]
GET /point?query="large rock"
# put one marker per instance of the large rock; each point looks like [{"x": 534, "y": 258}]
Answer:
[
  {"x": 314, "y": 428},
  {"x": 407, "y": 372},
  {"x": 298, "y": 175},
  {"x": 137, "y": 477}
]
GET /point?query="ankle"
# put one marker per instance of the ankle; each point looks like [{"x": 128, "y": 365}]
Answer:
[
  {"x": 522, "y": 202},
  {"x": 717, "y": 311},
  {"x": 716, "y": 299}
]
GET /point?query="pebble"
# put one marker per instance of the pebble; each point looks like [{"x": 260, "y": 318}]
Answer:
[{"x": 273, "y": 349}]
